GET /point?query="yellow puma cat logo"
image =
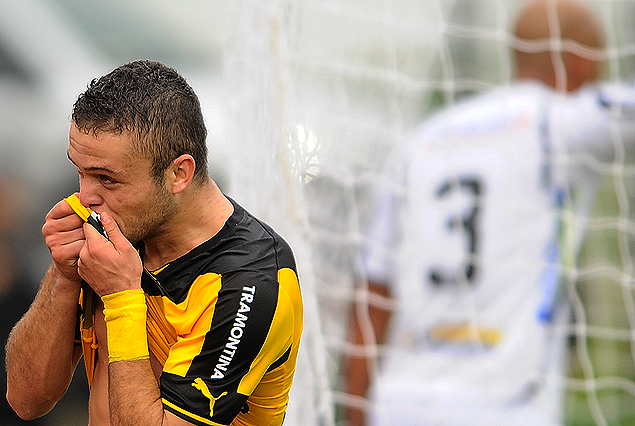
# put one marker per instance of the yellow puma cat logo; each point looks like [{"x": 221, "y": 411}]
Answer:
[{"x": 200, "y": 385}]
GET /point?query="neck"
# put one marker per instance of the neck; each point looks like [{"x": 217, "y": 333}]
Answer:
[{"x": 201, "y": 214}]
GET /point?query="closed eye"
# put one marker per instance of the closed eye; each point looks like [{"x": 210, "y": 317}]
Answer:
[{"x": 107, "y": 180}]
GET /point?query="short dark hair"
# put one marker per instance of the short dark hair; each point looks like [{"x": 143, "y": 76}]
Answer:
[{"x": 155, "y": 105}]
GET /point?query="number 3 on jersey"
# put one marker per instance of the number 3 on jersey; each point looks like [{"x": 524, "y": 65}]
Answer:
[{"x": 465, "y": 222}]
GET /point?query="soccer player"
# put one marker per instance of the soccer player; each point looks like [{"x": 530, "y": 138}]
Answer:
[
  {"x": 468, "y": 242},
  {"x": 196, "y": 315}
]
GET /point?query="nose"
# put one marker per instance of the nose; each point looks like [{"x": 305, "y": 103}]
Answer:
[{"x": 88, "y": 194}]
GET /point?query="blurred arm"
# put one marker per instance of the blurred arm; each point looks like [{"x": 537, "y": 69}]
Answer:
[
  {"x": 597, "y": 123},
  {"x": 358, "y": 368}
]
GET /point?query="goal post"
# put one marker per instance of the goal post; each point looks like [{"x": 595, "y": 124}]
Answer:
[{"x": 321, "y": 91}]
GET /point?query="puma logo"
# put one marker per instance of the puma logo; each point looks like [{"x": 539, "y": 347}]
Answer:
[{"x": 200, "y": 385}]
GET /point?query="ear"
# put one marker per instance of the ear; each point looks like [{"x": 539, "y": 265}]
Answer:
[{"x": 180, "y": 173}]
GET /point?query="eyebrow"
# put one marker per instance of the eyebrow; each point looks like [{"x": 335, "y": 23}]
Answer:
[{"x": 94, "y": 169}]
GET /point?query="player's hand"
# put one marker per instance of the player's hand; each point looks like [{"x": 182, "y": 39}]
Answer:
[
  {"x": 109, "y": 265},
  {"x": 64, "y": 236}
]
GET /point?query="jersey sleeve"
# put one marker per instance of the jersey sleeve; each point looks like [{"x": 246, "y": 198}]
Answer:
[
  {"x": 222, "y": 349},
  {"x": 593, "y": 127}
]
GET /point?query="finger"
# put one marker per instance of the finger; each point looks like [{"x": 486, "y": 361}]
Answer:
[
  {"x": 57, "y": 235},
  {"x": 93, "y": 246},
  {"x": 60, "y": 210},
  {"x": 112, "y": 229},
  {"x": 93, "y": 235},
  {"x": 81, "y": 270},
  {"x": 66, "y": 228},
  {"x": 68, "y": 251}
]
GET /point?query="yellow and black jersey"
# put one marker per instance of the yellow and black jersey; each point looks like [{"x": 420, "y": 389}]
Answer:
[{"x": 225, "y": 321}]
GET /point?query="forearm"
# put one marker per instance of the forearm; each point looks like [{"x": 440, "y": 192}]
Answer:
[
  {"x": 357, "y": 382},
  {"x": 41, "y": 354},
  {"x": 134, "y": 396},
  {"x": 358, "y": 366},
  {"x": 133, "y": 390}
]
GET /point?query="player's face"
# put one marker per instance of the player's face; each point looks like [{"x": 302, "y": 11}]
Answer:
[{"x": 114, "y": 178}]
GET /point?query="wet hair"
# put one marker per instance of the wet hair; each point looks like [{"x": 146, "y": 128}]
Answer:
[{"x": 154, "y": 105}]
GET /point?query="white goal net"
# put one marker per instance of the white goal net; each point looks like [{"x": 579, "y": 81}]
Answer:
[{"x": 320, "y": 92}]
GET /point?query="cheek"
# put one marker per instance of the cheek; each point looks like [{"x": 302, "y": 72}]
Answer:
[
  {"x": 141, "y": 219},
  {"x": 139, "y": 212},
  {"x": 135, "y": 214},
  {"x": 125, "y": 213}
]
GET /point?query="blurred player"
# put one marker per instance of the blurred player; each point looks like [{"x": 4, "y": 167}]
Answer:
[{"x": 468, "y": 240}]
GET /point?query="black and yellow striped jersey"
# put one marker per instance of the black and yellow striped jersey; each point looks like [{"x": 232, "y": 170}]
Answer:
[{"x": 225, "y": 321}]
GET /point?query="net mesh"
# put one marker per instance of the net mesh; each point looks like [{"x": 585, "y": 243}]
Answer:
[{"x": 320, "y": 92}]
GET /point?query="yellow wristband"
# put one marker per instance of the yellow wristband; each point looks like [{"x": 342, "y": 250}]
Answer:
[{"x": 125, "y": 315}]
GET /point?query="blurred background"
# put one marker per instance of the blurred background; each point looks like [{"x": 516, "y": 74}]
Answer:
[{"x": 303, "y": 100}]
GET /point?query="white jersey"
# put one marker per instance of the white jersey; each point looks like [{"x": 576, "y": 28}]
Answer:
[{"x": 470, "y": 239}]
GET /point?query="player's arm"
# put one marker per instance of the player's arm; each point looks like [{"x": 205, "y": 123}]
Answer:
[
  {"x": 368, "y": 322},
  {"x": 135, "y": 398},
  {"x": 593, "y": 126},
  {"x": 368, "y": 326},
  {"x": 113, "y": 269},
  {"x": 41, "y": 354}
]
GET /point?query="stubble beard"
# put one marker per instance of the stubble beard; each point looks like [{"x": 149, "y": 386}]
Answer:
[{"x": 156, "y": 219}]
